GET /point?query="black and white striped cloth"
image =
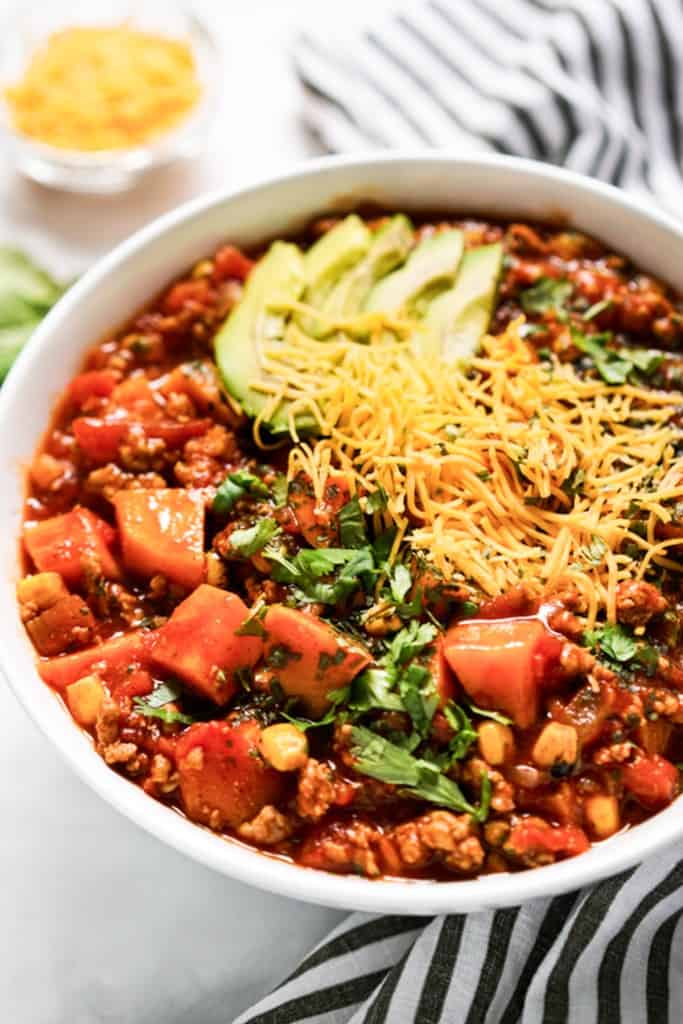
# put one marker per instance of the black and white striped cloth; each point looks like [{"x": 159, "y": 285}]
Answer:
[
  {"x": 597, "y": 86},
  {"x": 593, "y": 85}
]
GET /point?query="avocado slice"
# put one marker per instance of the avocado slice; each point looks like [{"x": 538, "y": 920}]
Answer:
[
  {"x": 457, "y": 319},
  {"x": 277, "y": 278},
  {"x": 433, "y": 263},
  {"x": 324, "y": 263},
  {"x": 389, "y": 247}
]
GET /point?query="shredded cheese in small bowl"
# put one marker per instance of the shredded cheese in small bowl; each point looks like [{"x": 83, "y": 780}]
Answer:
[{"x": 90, "y": 105}]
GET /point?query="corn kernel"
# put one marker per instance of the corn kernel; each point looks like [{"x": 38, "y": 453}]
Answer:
[
  {"x": 602, "y": 815},
  {"x": 556, "y": 743},
  {"x": 284, "y": 747},
  {"x": 496, "y": 742}
]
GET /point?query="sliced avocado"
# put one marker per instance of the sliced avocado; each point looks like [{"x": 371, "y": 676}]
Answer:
[
  {"x": 389, "y": 247},
  {"x": 277, "y": 278},
  {"x": 432, "y": 264},
  {"x": 458, "y": 318},
  {"x": 325, "y": 262}
]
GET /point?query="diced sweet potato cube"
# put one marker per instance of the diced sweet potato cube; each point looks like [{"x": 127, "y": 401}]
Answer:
[
  {"x": 72, "y": 544},
  {"x": 84, "y": 698},
  {"x": 308, "y": 658},
  {"x": 114, "y": 660},
  {"x": 200, "y": 643},
  {"x": 503, "y": 664},
  {"x": 162, "y": 531},
  {"x": 224, "y": 781},
  {"x": 66, "y": 624}
]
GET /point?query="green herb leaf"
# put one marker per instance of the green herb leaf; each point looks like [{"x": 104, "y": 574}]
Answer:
[
  {"x": 547, "y": 294},
  {"x": 400, "y": 582},
  {"x": 303, "y": 572},
  {"x": 372, "y": 690},
  {"x": 596, "y": 550},
  {"x": 465, "y": 733},
  {"x": 410, "y": 641},
  {"x": 236, "y": 486},
  {"x": 416, "y": 689},
  {"x": 280, "y": 488},
  {"x": 597, "y": 308},
  {"x": 380, "y": 759},
  {"x": 377, "y": 501},
  {"x": 352, "y": 525},
  {"x": 167, "y": 715},
  {"x": 248, "y": 542},
  {"x": 154, "y": 704},
  {"x": 337, "y": 697},
  {"x": 614, "y": 641},
  {"x": 495, "y": 716}
]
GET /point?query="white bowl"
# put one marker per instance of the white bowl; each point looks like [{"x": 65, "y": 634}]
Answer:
[{"x": 131, "y": 276}]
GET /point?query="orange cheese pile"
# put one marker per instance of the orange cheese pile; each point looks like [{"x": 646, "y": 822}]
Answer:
[
  {"x": 104, "y": 88},
  {"x": 478, "y": 462}
]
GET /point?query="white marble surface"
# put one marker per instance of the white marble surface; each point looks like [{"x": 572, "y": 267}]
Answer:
[{"x": 98, "y": 921}]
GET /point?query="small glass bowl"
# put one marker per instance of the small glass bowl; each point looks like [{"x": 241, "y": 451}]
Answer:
[{"x": 113, "y": 170}]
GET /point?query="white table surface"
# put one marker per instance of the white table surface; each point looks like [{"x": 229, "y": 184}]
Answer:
[{"x": 98, "y": 921}]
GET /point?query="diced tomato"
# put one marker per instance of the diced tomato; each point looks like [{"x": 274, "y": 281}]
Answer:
[
  {"x": 99, "y": 439},
  {"x": 138, "y": 683},
  {"x": 162, "y": 532},
  {"x": 503, "y": 664},
  {"x": 319, "y": 521},
  {"x": 72, "y": 544},
  {"x": 532, "y": 837},
  {"x": 92, "y": 384},
  {"x": 114, "y": 660},
  {"x": 201, "y": 643},
  {"x": 308, "y": 658},
  {"x": 136, "y": 395},
  {"x": 53, "y": 630},
  {"x": 653, "y": 781},
  {"x": 223, "y": 778},
  {"x": 229, "y": 262},
  {"x": 197, "y": 292},
  {"x": 176, "y": 434}
]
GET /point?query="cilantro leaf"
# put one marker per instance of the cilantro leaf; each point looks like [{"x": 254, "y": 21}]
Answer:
[
  {"x": 236, "y": 486},
  {"x": 337, "y": 697},
  {"x": 597, "y": 308},
  {"x": 416, "y": 689},
  {"x": 376, "y": 501},
  {"x": 465, "y": 733},
  {"x": 616, "y": 366},
  {"x": 248, "y": 542},
  {"x": 372, "y": 690},
  {"x": 380, "y": 759},
  {"x": 546, "y": 295},
  {"x": 400, "y": 582},
  {"x": 352, "y": 531},
  {"x": 154, "y": 704},
  {"x": 303, "y": 572},
  {"x": 596, "y": 550},
  {"x": 614, "y": 642},
  {"x": 495, "y": 716},
  {"x": 409, "y": 642}
]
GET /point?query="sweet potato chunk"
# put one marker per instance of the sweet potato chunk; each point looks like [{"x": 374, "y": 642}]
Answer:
[
  {"x": 503, "y": 664},
  {"x": 201, "y": 645},
  {"x": 308, "y": 658},
  {"x": 72, "y": 544},
  {"x": 114, "y": 661},
  {"x": 224, "y": 781},
  {"x": 68, "y": 623},
  {"x": 162, "y": 531}
]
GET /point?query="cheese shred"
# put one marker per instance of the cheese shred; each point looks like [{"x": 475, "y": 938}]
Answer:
[{"x": 511, "y": 469}]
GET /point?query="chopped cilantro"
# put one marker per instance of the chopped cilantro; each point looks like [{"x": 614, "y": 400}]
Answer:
[
  {"x": 465, "y": 734},
  {"x": 280, "y": 489},
  {"x": 154, "y": 704},
  {"x": 400, "y": 582},
  {"x": 248, "y": 542},
  {"x": 597, "y": 308},
  {"x": 376, "y": 501},
  {"x": 372, "y": 690},
  {"x": 305, "y": 569},
  {"x": 352, "y": 525},
  {"x": 546, "y": 295},
  {"x": 377, "y": 757},
  {"x": 416, "y": 689},
  {"x": 495, "y": 716},
  {"x": 410, "y": 641},
  {"x": 616, "y": 366},
  {"x": 236, "y": 486},
  {"x": 596, "y": 550}
]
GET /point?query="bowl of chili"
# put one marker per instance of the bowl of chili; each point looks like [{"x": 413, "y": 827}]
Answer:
[{"x": 347, "y": 564}]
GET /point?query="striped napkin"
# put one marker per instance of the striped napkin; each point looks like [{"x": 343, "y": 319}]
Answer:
[
  {"x": 593, "y": 85},
  {"x": 596, "y": 86}
]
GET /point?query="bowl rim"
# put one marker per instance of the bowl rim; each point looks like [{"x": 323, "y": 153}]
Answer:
[{"x": 230, "y": 857}]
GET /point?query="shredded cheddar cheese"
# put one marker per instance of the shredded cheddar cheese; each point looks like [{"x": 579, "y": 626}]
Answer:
[
  {"x": 100, "y": 88},
  {"x": 508, "y": 470}
]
